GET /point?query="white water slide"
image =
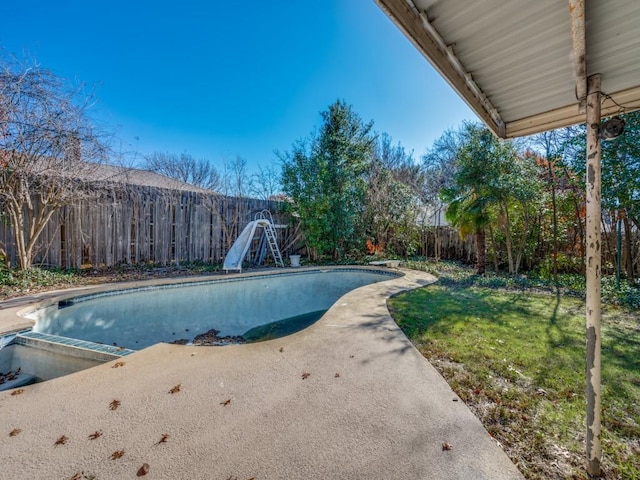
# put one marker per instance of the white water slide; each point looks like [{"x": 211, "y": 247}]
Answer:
[{"x": 239, "y": 249}]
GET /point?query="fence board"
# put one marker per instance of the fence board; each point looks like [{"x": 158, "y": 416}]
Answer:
[{"x": 133, "y": 224}]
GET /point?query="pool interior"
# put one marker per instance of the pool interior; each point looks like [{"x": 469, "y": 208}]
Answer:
[{"x": 29, "y": 356}]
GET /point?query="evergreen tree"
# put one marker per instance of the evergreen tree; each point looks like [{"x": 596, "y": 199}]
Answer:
[{"x": 324, "y": 176}]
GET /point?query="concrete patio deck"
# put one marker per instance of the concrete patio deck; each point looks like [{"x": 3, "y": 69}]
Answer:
[{"x": 371, "y": 407}]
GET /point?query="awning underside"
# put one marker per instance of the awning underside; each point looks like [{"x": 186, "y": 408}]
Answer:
[{"x": 515, "y": 63}]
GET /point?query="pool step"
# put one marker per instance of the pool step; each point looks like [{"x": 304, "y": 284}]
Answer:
[{"x": 71, "y": 346}]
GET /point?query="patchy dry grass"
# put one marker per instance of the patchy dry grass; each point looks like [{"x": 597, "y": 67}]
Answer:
[{"x": 516, "y": 357}]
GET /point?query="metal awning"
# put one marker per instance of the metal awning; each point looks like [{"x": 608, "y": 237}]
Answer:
[{"x": 515, "y": 62}]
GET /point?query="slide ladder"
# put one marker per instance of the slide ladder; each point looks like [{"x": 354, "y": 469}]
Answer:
[
  {"x": 240, "y": 248},
  {"x": 272, "y": 240}
]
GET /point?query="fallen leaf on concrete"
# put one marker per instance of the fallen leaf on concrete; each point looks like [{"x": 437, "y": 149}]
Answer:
[
  {"x": 117, "y": 364},
  {"x": 163, "y": 438},
  {"x": 114, "y": 404},
  {"x": 83, "y": 476},
  {"x": 117, "y": 454},
  {"x": 14, "y": 432},
  {"x": 337, "y": 375},
  {"x": 18, "y": 391},
  {"x": 143, "y": 470},
  {"x": 175, "y": 389},
  {"x": 305, "y": 375},
  {"x": 446, "y": 446},
  {"x": 96, "y": 434},
  {"x": 225, "y": 403},
  {"x": 281, "y": 349},
  {"x": 62, "y": 440}
]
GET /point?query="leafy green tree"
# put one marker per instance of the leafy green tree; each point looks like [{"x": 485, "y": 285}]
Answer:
[
  {"x": 548, "y": 142},
  {"x": 324, "y": 176},
  {"x": 620, "y": 179},
  {"x": 470, "y": 196},
  {"x": 563, "y": 199},
  {"x": 519, "y": 203},
  {"x": 393, "y": 198},
  {"x": 621, "y": 182},
  {"x": 492, "y": 183}
]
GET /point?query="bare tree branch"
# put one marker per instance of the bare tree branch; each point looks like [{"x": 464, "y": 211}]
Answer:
[
  {"x": 47, "y": 144},
  {"x": 184, "y": 167}
]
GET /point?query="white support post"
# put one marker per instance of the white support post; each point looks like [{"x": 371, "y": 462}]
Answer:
[
  {"x": 593, "y": 260},
  {"x": 578, "y": 25}
]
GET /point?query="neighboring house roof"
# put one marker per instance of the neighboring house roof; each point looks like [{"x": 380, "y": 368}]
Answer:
[
  {"x": 99, "y": 172},
  {"x": 134, "y": 176}
]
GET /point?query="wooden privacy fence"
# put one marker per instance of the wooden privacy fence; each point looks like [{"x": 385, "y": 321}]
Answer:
[
  {"x": 444, "y": 243},
  {"x": 133, "y": 224}
]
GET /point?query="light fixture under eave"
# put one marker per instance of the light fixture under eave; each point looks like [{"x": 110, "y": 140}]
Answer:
[{"x": 612, "y": 128}]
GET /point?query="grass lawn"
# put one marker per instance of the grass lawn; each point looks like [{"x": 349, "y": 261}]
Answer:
[{"x": 517, "y": 358}]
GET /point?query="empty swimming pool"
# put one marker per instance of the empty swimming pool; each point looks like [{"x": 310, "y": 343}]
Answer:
[{"x": 223, "y": 310}]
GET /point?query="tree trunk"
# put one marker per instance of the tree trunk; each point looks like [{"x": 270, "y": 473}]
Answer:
[
  {"x": 481, "y": 254},
  {"x": 578, "y": 223},
  {"x": 628, "y": 249},
  {"x": 507, "y": 237},
  {"x": 5, "y": 257},
  {"x": 608, "y": 243},
  {"x": 493, "y": 248},
  {"x": 17, "y": 223},
  {"x": 554, "y": 219},
  {"x": 523, "y": 240}
]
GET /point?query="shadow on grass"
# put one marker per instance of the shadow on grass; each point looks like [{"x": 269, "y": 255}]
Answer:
[
  {"x": 523, "y": 336},
  {"x": 521, "y": 353}
]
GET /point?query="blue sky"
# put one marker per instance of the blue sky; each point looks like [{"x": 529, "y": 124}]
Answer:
[{"x": 218, "y": 79}]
